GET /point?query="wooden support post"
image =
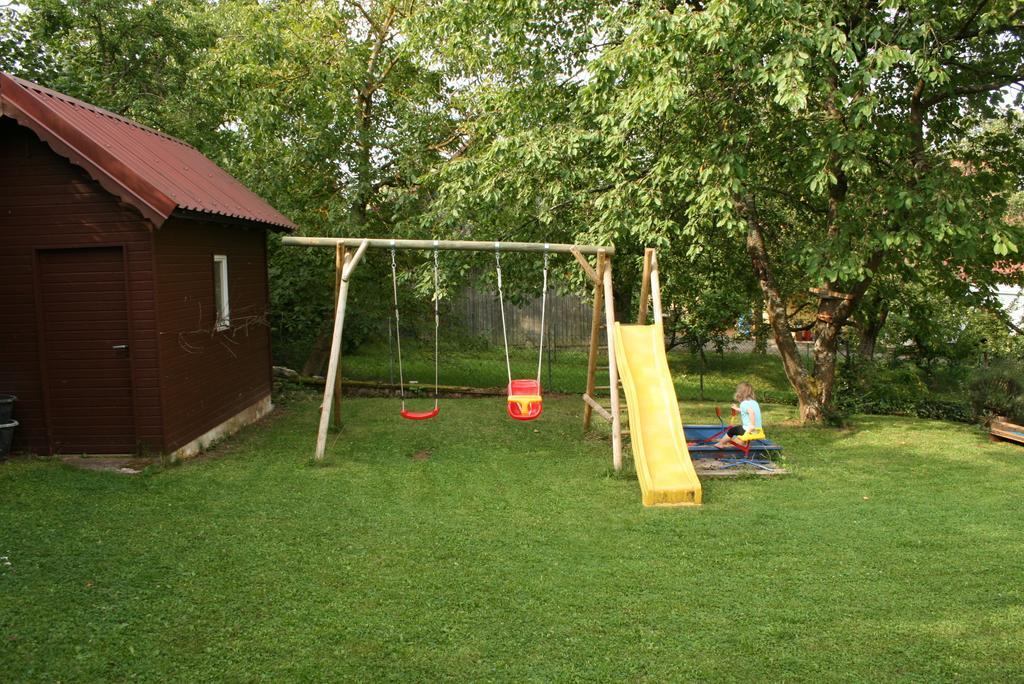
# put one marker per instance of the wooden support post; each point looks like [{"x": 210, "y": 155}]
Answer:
[
  {"x": 656, "y": 287},
  {"x": 339, "y": 266},
  {"x": 600, "y": 410},
  {"x": 595, "y": 335},
  {"x": 613, "y": 368},
  {"x": 587, "y": 268},
  {"x": 645, "y": 287},
  {"x": 350, "y": 262}
]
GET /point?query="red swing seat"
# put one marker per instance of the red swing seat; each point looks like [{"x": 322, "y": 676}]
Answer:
[
  {"x": 406, "y": 413},
  {"x": 524, "y": 400},
  {"x": 420, "y": 415}
]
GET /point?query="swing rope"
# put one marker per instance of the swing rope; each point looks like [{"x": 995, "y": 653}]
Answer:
[
  {"x": 543, "y": 310},
  {"x": 501, "y": 305},
  {"x": 398, "y": 334}
]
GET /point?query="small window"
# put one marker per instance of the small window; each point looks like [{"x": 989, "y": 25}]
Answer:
[{"x": 220, "y": 291}]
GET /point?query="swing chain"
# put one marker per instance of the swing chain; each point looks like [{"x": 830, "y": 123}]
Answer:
[
  {"x": 394, "y": 280},
  {"x": 437, "y": 320},
  {"x": 398, "y": 335}
]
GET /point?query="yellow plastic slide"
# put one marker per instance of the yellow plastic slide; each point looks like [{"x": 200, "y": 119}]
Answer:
[{"x": 663, "y": 464}]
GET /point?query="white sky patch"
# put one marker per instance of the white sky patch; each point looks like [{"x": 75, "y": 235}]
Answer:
[{"x": 1012, "y": 301}]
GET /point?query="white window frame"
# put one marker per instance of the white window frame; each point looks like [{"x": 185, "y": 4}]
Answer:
[{"x": 223, "y": 303}]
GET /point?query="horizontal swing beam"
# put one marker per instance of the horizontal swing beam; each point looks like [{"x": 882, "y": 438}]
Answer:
[{"x": 449, "y": 245}]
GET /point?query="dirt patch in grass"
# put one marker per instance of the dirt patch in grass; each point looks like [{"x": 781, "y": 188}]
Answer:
[
  {"x": 711, "y": 467},
  {"x": 128, "y": 465}
]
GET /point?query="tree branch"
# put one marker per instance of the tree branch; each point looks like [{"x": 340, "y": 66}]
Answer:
[
  {"x": 791, "y": 198},
  {"x": 846, "y": 306},
  {"x": 962, "y": 33},
  {"x": 974, "y": 89},
  {"x": 1002, "y": 315}
]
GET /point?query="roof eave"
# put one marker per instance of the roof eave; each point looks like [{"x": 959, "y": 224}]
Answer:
[
  {"x": 31, "y": 112},
  {"x": 193, "y": 215}
]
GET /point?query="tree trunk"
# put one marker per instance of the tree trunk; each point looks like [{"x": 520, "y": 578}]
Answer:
[
  {"x": 874, "y": 321},
  {"x": 826, "y": 350},
  {"x": 760, "y": 336},
  {"x": 363, "y": 197},
  {"x": 321, "y": 348},
  {"x": 813, "y": 390},
  {"x": 778, "y": 317}
]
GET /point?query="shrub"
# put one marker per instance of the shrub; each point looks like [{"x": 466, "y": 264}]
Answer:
[
  {"x": 866, "y": 387},
  {"x": 885, "y": 389},
  {"x": 998, "y": 391},
  {"x": 946, "y": 409}
]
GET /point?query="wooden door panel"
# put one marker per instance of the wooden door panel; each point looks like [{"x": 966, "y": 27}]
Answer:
[{"x": 84, "y": 305}]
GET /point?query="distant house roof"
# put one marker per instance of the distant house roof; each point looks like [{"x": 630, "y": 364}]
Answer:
[
  {"x": 1008, "y": 268},
  {"x": 153, "y": 172}
]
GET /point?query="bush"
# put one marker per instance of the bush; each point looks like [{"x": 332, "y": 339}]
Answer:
[
  {"x": 998, "y": 391},
  {"x": 946, "y": 409},
  {"x": 865, "y": 387},
  {"x": 899, "y": 390}
]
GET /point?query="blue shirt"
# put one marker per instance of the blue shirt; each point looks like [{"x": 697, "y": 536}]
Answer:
[{"x": 745, "y": 415}]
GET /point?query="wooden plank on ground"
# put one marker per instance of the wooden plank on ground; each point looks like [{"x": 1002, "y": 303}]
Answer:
[{"x": 1008, "y": 431}]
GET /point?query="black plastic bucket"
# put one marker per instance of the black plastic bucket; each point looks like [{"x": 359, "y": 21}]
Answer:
[
  {"x": 6, "y": 436},
  {"x": 7, "y": 407}
]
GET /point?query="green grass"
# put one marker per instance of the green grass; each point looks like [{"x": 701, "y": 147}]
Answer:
[
  {"x": 725, "y": 371},
  {"x": 893, "y": 552},
  {"x": 568, "y": 371}
]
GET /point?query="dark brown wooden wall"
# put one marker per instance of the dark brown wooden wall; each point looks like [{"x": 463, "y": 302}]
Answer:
[
  {"x": 46, "y": 202},
  {"x": 209, "y": 376}
]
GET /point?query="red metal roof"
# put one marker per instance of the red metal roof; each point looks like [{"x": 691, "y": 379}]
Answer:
[{"x": 151, "y": 171}]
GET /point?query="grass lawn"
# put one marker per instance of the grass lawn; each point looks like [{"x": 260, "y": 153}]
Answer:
[{"x": 895, "y": 551}]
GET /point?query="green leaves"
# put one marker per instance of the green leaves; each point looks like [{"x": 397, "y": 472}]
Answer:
[
  {"x": 851, "y": 138},
  {"x": 1003, "y": 245},
  {"x": 842, "y": 133},
  {"x": 133, "y": 58}
]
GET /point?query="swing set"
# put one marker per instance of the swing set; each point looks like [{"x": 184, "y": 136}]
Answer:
[
  {"x": 524, "y": 396},
  {"x": 525, "y": 401}
]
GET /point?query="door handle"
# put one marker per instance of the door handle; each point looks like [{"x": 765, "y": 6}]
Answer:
[{"x": 120, "y": 347}]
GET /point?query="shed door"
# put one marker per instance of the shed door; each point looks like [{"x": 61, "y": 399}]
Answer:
[{"x": 86, "y": 359}]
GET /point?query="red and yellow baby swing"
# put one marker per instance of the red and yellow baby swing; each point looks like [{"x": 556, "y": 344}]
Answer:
[
  {"x": 524, "y": 401},
  {"x": 524, "y": 398}
]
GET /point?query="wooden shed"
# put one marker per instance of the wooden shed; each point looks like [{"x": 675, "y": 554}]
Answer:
[{"x": 133, "y": 283}]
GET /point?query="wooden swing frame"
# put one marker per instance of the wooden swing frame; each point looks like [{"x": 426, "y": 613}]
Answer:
[
  {"x": 599, "y": 274},
  {"x": 650, "y": 292}
]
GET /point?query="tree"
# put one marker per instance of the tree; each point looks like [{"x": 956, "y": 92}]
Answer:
[
  {"x": 823, "y": 142},
  {"x": 325, "y": 110},
  {"x": 131, "y": 57},
  {"x": 320, "y": 107}
]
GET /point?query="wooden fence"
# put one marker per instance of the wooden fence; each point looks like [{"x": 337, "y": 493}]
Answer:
[{"x": 567, "y": 319}]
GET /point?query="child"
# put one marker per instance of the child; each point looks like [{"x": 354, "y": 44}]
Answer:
[{"x": 750, "y": 416}]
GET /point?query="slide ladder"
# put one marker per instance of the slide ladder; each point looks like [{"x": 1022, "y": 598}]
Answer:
[{"x": 663, "y": 464}]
